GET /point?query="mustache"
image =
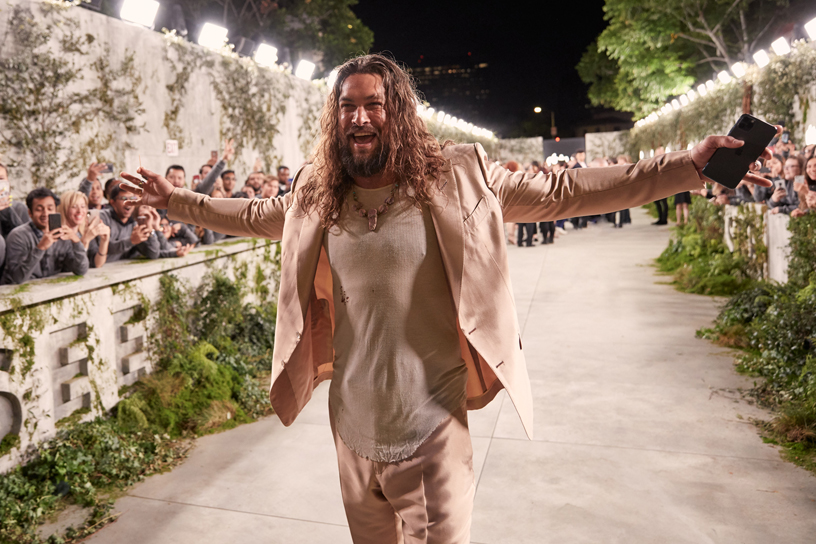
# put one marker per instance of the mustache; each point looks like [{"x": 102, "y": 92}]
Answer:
[{"x": 365, "y": 128}]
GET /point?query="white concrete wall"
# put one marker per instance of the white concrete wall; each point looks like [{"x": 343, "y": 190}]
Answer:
[
  {"x": 777, "y": 240},
  {"x": 66, "y": 374}
]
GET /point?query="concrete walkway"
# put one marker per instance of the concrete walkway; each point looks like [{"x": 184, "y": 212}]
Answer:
[{"x": 640, "y": 436}]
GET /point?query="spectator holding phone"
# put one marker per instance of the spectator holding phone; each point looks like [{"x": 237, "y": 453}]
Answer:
[
  {"x": 807, "y": 192},
  {"x": 784, "y": 198},
  {"x": 73, "y": 208},
  {"x": 775, "y": 166},
  {"x": 13, "y": 213},
  {"x": 210, "y": 176},
  {"x": 91, "y": 186},
  {"x": 127, "y": 238},
  {"x": 43, "y": 247},
  {"x": 148, "y": 215}
]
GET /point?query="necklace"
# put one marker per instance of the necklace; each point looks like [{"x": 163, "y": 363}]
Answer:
[{"x": 373, "y": 212}]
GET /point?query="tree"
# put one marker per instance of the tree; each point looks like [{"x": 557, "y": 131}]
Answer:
[{"x": 655, "y": 49}]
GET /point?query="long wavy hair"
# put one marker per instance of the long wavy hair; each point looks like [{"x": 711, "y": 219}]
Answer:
[{"x": 415, "y": 156}]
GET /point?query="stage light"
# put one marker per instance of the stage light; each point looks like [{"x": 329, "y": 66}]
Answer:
[
  {"x": 642, "y": 155},
  {"x": 689, "y": 146},
  {"x": 810, "y": 135},
  {"x": 738, "y": 68},
  {"x": 212, "y": 36},
  {"x": 761, "y": 58},
  {"x": 429, "y": 113},
  {"x": 810, "y": 28},
  {"x": 266, "y": 55},
  {"x": 684, "y": 101},
  {"x": 304, "y": 70},
  {"x": 651, "y": 153},
  {"x": 780, "y": 46},
  {"x": 710, "y": 85},
  {"x": 141, "y": 12},
  {"x": 701, "y": 88},
  {"x": 692, "y": 96},
  {"x": 724, "y": 77},
  {"x": 333, "y": 77},
  {"x": 675, "y": 104},
  {"x": 537, "y": 109}
]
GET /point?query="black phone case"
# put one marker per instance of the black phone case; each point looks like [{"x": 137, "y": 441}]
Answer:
[
  {"x": 728, "y": 166},
  {"x": 54, "y": 221}
]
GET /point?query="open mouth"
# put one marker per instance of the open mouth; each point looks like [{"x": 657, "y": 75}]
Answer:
[{"x": 363, "y": 138}]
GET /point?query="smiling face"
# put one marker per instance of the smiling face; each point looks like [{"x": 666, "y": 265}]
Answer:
[
  {"x": 228, "y": 181},
  {"x": 176, "y": 177},
  {"x": 41, "y": 208},
  {"x": 791, "y": 169},
  {"x": 810, "y": 169},
  {"x": 775, "y": 166},
  {"x": 362, "y": 122},
  {"x": 77, "y": 213},
  {"x": 118, "y": 205},
  {"x": 95, "y": 198}
]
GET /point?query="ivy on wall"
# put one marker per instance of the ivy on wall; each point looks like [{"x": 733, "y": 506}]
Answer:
[
  {"x": 776, "y": 89},
  {"x": 54, "y": 117}
]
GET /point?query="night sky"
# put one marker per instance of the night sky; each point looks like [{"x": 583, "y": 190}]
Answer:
[{"x": 531, "y": 48}]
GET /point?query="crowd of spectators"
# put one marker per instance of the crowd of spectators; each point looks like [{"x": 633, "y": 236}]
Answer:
[
  {"x": 526, "y": 234},
  {"x": 94, "y": 225},
  {"x": 793, "y": 174}
]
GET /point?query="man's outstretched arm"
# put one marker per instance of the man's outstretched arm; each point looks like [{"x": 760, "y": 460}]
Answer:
[
  {"x": 591, "y": 191},
  {"x": 262, "y": 218}
]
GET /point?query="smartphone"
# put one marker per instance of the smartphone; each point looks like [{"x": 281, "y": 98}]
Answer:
[
  {"x": 799, "y": 180},
  {"x": 141, "y": 220},
  {"x": 108, "y": 168},
  {"x": 54, "y": 221},
  {"x": 214, "y": 155},
  {"x": 728, "y": 166},
  {"x": 93, "y": 213},
  {"x": 785, "y": 137},
  {"x": 779, "y": 184}
]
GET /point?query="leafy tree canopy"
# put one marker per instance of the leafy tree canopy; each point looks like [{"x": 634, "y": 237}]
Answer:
[{"x": 654, "y": 49}]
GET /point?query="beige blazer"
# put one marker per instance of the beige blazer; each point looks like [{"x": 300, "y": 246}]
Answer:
[{"x": 474, "y": 197}]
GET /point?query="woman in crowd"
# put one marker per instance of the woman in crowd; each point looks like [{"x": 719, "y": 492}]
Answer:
[
  {"x": 807, "y": 196},
  {"x": 73, "y": 208},
  {"x": 784, "y": 198},
  {"x": 775, "y": 166}
]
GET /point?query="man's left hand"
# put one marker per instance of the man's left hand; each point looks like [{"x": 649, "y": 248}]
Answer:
[{"x": 702, "y": 153}]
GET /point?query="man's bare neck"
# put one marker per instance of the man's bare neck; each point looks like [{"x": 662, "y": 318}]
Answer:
[{"x": 375, "y": 182}]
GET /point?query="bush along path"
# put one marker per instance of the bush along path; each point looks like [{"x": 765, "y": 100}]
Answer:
[
  {"x": 211, "y": 357},
  {"x": 773, "y": 326}
]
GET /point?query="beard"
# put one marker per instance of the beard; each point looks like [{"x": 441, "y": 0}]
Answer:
[{"x": 366, "y": 166}]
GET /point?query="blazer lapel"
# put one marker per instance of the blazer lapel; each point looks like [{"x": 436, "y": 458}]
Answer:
[{"x": 446, "y": 212}]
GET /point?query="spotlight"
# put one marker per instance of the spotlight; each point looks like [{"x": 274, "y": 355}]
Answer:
[
  {"x": 701, "y": 88},
  {"x": 537, "y": 109},
  {"x": 212, "y": 36},
  {"x": 429, "y": 113},
  {"x": 724, "y": 77},
  {"x": 692, "y": 96},
  {"x": 810, "y": 28},
  {"x": 738, "y": 68},
  {"x": 266, "y": 55},
  {"x": 675, "y": 104},
  {"x": 651, "y": 152},
  {"x": 710, "y": 85},
  {"x": 684, "y": 101},
  {"x": 141, "y": 12},
  {"x": 761, "y": 58},
  {"x": 304, "y": 70},
  {"x": 781, "y": 46},
  {"x": 333, "y": 77},
  {"x": 642, "y": 155}
]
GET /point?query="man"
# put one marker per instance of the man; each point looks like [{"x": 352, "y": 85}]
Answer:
[
  {"x": 255, "y": 180},
  {"x": 13, "y": 213},
  {"x": 228, "y": 183},
  {"x": 35, "y": 251},
  {"x": 270, "y": 188},
  {"x": 387, "y": 245},
  {"x": 91, "y": 186},
  {"x": 580, "y": 162},
  {"x": 209, "y": 177},
  {"x": 283, "y": 179},
  {"x": 127, "y": 238},
  {"x": 176, "y": 175}
]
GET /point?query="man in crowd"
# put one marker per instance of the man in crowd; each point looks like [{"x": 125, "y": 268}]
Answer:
[
  {"x": 283, "y": 179},
  {"x": 13, "y": 213},
  {"x": 228, "y": 183},
  {"x": 255, "y": 180},
  {"x": 270, "y": 188},
  {"x": 413, "y": 344},
  {"x": 33, "y": 250},
  {"x": 127, "y": 238},
  {"x": 210, "y": 177}
]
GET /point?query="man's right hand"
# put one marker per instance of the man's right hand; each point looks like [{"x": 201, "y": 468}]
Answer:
[
  {"x": 94, "y": 170},
  {"x": 156, "y": 190},
  {"x": 49, "y": 238},
  {"x": 779, "y": 194},
  {"x": 140, "y": 234}
]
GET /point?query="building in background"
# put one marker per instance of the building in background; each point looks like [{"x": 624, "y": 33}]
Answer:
[
  {"x": 459, "y": 87},
  {"x": 604, "y": 120}
]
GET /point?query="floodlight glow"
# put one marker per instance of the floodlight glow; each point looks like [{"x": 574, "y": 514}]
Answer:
[
  {"x": 701, "y": 88},
  {"x": 761, "y": 58},
  {"x": 675, "y": 104},
  {"x": 810, "y": 135},
  {"x": 331, "y": 78},
  {"x": 651, "y": 152},
  {"x": 684, "y": 101},
  {"x": 429, "y": 113},
  {"x": 141, "y": 12},
  {"x": 266, "y": 55},
  {"x": 440, "y": 116},
  {"x": 689, "y": 146},
  {"x": 781, "y": 46},
  {"x": 642, "y": 155},
  {"x": 724, "y": 77},
  {"x": 738, "y": 68},
  {"x": 212, "y": 36},
  {"x": 710, "y": 85},
  {"x": 810, "y": 28},
  {"x": 304, "y": 70},
  {"x": 692, "y": 96}
]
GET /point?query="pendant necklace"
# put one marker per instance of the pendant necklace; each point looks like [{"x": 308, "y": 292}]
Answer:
[{"x": 373, "y": 212}]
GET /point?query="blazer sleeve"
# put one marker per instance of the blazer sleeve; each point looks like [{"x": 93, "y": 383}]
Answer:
[
  {"x": 261, "y": 218},
  {"x": 528, "y": 198}
]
